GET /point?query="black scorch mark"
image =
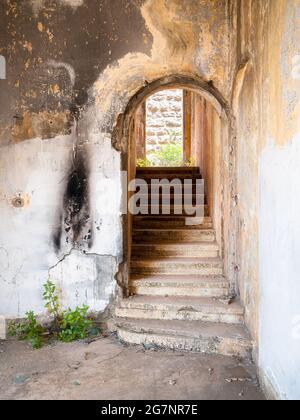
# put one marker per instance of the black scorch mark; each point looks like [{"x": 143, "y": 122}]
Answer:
[{"x": 75, "y": 221}]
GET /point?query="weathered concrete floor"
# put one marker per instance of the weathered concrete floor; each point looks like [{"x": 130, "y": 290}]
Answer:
[{"x": 105, "y": 369}]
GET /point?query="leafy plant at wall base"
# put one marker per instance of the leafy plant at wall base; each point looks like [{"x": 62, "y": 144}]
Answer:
[
  {"x": 14, "y": 329},
  {"x": 52, "y": 304},
  {"x": 70, "y": 325},
  {"x": 27, "y": 330},
  {"x": 33, "y": 330},
  {"x": 75, "y": 324}
]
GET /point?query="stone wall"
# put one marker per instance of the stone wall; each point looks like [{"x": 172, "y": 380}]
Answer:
[{"x": 164, "y": 119}]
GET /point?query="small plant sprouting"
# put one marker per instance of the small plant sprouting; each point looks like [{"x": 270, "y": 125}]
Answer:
[
  {"x": 15, "y": 329},
  {"x": 27, "y": 330},
  {"x": 75, "y": 324},
  {"x": 52, "y": 304},
  {"x": 69, "y": 325},
  {"x": 34, "y": 331}
]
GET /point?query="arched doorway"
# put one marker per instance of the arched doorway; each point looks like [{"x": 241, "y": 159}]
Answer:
[{"x": 207, "y": 119}]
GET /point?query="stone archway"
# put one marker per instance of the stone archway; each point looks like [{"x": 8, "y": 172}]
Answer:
[{"x": 225, "y": 217}]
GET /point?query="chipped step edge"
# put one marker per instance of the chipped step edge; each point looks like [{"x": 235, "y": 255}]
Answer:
[
  {"x": 171, "y": 315},
  {"x": 149, "y": 290},
  {"x": 213, "y": 345}
]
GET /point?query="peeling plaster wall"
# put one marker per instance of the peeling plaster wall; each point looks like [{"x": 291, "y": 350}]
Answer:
[
  {"x": 177, "y": 49},
  {"x": 268, "y": 136},
  {"x": 34, "y": 174},
  {"x": 60, "y": 178},
  {"x": 279, "y": 209}
]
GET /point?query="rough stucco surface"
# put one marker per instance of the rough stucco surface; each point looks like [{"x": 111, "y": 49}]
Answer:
[
  {"x": 189, "y": 39},
  {"x": 268, "y": 188},
  {"x": 279, "y": 274},
  {"x": 27, "y": 252},
  {"x": 279, "y": 223}
]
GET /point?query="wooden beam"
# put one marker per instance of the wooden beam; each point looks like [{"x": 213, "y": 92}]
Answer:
[
  {"x": 140, "y": 131},
  {"x": 187, "y": 125}
]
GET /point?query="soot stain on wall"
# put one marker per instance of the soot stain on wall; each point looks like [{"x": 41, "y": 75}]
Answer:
[
  {"x": 75, "y": 225},
  {"x": 51, "y": 66}
]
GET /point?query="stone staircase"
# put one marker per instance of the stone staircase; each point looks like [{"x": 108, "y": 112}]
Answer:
[{"x": 179, "y": 295}]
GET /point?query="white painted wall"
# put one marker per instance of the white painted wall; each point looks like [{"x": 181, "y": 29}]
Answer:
[
  {"x": 38, "y": 169},
  {"x": 280, "y": 268}
]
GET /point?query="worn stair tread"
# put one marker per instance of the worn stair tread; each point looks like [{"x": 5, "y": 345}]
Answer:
[
  {"x": 151, "y": 183},
  {"x": 179, "y": 199},
  {"x": 175, "y": 285},
  {"x": 176, "y": 265},
  {"x": 178, "y": 229},
  {"x": 175, "y": 194},
  {"x": 173, "y": 232},
  {"x": 147, "y": 217},
  {"x": 159, "y": 212},
  {"x": 160, "y": 174},
  {"x": 175, "y": 249},
  {"x": 170, "y": 176},
  {"x": 179, "y": 328},
  {"x": 175, "y": 260},
  {"x": 178, "y": 210},
  {"x": 179, "y": 303},
  {"x": 172, "y": 205},
  {"x": 187, "y": 280},
  {"x": 171, "y": 222},
  {"x": 172, "y": 244},
  {"x": 174, "y": 169},
  {"x": 157, "y": 227},
  {"x": 171, "y": 217},
  {"x": 184, "y": 180}
]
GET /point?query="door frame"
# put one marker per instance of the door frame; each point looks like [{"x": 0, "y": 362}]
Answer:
[{"x": 122, "y": 141}]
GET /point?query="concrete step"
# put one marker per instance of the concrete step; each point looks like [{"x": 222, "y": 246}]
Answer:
[
  {"x": 180, "y": 308},
  {"x": 197, "y": 186},
  {"x": 173, "y": 235},
  {"x": 197, "y": 336},
  {"x": 171, "y": 222},
  {"x": 200, "y": 210},
  {"x": 185, "y": 266},
  {"x": 165, "y": 175},
  {"x": 194, "y": 250},
  {"x": 170, "y": 170},
  {"x": 179, "y": 199},
  {"x": 197, "y": 286}
]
